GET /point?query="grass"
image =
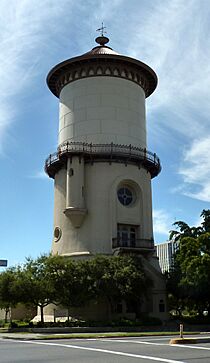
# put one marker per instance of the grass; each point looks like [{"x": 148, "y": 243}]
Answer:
[
  {"x": 111, "y": 335},
  {"x": 93, "y": 335}
]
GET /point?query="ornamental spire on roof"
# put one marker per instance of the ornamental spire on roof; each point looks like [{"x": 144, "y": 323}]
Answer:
[
  {"x": 102, "y": 29},
  {"x": 102, "y": 40}
]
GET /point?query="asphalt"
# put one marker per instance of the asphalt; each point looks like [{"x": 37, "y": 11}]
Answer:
[{"x": 110, "y": 350}]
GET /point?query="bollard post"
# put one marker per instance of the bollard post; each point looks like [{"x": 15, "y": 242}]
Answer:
[{"x": 181, "y": 330}]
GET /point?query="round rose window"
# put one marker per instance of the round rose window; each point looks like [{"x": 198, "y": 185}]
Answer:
[{"x": 125, "y": 195}]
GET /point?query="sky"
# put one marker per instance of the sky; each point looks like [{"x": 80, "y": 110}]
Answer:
[{"x": 171, "y": 36}]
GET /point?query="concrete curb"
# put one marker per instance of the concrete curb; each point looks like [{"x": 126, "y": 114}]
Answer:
[
  {"x": 35, "y": 336},
  {"x": 16, "y": 336},
  {"x": 21, "y": 337},
  {"x": 189, "y": 340}
]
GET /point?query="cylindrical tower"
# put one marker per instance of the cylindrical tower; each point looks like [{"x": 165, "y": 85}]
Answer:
[{"x": 102, "y": 168}]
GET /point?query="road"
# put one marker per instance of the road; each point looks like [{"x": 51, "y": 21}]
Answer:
[{"x": 105, "y": 350}]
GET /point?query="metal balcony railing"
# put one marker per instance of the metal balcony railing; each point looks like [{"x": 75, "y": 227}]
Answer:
[
  {"x": 103, "y": 152},
  {"x": 144, "y": 244}
]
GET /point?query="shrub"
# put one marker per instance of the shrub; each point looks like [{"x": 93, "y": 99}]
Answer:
[
  {"x": 13, "y": 324},
  {"x": 151, "y": 320},
  {"x": 40, "y": 324}
]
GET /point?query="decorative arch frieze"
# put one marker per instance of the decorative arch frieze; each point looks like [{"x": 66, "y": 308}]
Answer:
[{"x": 98, "y": 68}]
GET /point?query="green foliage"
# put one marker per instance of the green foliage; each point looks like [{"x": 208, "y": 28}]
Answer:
[
  {"x": 189, "y": 281},
  {"x": 121, "y": 322},
  {"x": 13, "y": 324},
  {"x": 36, "y": 281},
  {"x": 184, "y": 230},
  {"x": 196, "y": 319},
  {"x": 9, "y": 290},
  {"x": 119, "y": 278},
  {"x": 73, "y": 284},
  {"x": 70, "y": 283},
  {"x": 111, "y": 278},
  {"x": 205, "y": 214}
]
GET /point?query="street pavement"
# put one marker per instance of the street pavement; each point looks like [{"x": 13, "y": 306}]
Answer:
[{"x": 103, "y": 350}]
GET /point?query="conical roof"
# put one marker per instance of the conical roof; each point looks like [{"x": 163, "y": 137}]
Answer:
[
  {"x": 101, "y": 61},
  {"x": 101, "y": 48}
]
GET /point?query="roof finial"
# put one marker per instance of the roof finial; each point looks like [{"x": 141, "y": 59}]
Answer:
[
  {"x": 102, "y": 40},
  {"x": 102, "y": 29}
]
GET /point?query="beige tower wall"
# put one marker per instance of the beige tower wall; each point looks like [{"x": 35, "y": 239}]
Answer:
[
  {"x": 87, "y": 213},
  {"x": 104, "y": 211},
  {"x": 103, "y": 110},
  {"x": 75, "y": 183}
]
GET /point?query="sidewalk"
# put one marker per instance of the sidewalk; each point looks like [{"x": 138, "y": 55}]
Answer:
[{"x": 21, "y": 336}]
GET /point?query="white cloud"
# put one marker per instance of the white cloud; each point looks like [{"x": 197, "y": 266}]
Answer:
[
  {"x": 40, "y": 175},
  {"x": 195, "y": 170},
  {"x": 31, "y": 31},
  {"x": 174, "y": 40},
  {"x": 171, "y": 37},
  {"x": 162, "y": 222},
  {"x": 25, "y": 29}
]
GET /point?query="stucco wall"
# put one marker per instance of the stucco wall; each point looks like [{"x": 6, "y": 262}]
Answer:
[
  {"x": 104, "y": 211},
  {"x": 103, "y": 110}
]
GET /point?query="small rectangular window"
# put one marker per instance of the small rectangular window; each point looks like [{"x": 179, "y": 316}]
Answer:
[
  {"x": 161, "y": 306},
  {"x": 127, "y": 235}
]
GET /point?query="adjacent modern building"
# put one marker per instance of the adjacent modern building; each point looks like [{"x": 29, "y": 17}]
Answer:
[
  {"x": 102, "y": 169},
  {"x": 165, "y": 253}
]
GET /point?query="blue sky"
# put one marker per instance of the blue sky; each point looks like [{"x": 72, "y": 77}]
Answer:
[{"x": 172, "y": 36}]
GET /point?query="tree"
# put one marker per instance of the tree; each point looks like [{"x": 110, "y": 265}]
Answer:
[
  {"x": 9, "y": 291},
  {"x": 188, "y": 282},
  {"x": 205, "y": 214},
  {"x": 70, "y": 283},
  {"x": 119, "y": 278},
  {"x": 36, "y": 281},
  {"x": 194, "y": 260},
  {"x": 184, "y": 230},
  {"x": 112, "y": 279},
  {"x": 73, "y": 286},
  {"x": 177, "y": 295}
]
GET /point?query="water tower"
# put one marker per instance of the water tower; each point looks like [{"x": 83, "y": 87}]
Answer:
[{"x": 102, "y": 169}]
